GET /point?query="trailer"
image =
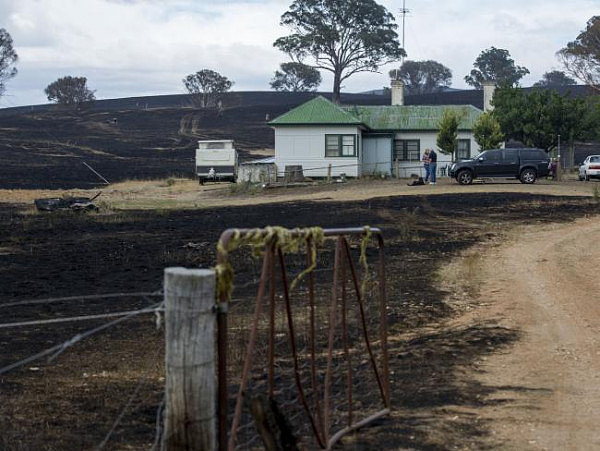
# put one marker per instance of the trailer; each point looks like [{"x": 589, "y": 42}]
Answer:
[{"x": 216, "y": 160}]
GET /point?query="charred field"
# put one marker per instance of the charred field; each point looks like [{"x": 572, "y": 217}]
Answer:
[
  {"x": 72, "y": 401},
  {"x": 43, "y": 146}
]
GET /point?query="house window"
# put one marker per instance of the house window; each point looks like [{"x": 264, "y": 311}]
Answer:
[
  {"x": 340, "y": 145},
  {"x": 463, "y": 151},
  {"x": 407, "y": 149}
]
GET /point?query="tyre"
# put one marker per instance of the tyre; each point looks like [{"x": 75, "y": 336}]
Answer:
[
  {"x": 464, "y": 177},
  {"x": 201, "y": 180},
  {"x": 528, "y": 175}
]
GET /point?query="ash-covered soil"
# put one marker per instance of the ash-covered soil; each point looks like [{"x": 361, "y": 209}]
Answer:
[
  {"x": 73, "y": 401},
  {"x": 44, "y": 146}
]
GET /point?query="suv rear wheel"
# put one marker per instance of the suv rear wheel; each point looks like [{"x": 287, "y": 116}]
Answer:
[
  {"x": 464, "y": 177},
  {"x": 528, "y": 175}
]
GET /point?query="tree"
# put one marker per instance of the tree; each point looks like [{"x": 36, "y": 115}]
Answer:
[
  {"x": 581, "y": 57},
  {"x": 206, "y": 86},
  {"x": 495, "y": 64},
  {"x": 69, "y": 91},
  {"x": 296, "y": 77},
  {"x": 8, "y": 57},
  {"x": 487, "y": 132},
  {"x": 554, "y": 78},
  {"x": 341, "y": 37},
  {"x": 447, "y": 138},
  {"x": 537, "y": 118},
  {"x": 422, "y": 77}
]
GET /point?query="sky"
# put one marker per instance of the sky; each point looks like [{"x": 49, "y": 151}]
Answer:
[{"x": 129, "y": 48}]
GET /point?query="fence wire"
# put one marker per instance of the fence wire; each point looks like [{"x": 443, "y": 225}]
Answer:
[{"x": 98, "y": 396}]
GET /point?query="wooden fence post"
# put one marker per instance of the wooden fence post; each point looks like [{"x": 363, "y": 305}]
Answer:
[
  {"x": 190, "y": 360},
  {"x": 329, "y": 173}
]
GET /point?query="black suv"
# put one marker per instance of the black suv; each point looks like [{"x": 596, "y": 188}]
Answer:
[{"x": 525, "y": 164}]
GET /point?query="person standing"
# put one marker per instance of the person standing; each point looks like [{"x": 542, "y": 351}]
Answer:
[
  {"x": 425, "y": 161},
  {"x": 432, "y": 166}
]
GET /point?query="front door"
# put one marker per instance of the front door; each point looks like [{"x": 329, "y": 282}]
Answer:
[{"x": 377, "y": 155}]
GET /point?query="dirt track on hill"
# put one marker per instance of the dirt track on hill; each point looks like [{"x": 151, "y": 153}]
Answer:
[{"x": 544, "y": 284}]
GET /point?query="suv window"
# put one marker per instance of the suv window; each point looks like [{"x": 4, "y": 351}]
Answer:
[
  {"x": 491, "y": 156},
  {"x": 510, "y": 154},
  {"x": 532, "y": 154}
]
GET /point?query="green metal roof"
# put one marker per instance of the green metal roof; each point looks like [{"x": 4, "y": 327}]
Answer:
[
  {"x": 411, "y": 117},
  {"x": 318, "y": 111}
]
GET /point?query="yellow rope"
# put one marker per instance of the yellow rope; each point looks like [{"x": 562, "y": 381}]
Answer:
[
  {"x": 317, "y": 238},
  {"x": 258, "y": 240},
  {"x": 363, "y": 260}
]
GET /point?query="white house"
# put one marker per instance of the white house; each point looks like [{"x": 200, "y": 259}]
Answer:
[{"x": 358, "y": 140}]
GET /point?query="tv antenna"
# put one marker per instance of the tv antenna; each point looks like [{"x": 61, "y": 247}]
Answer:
[{"x": 404, "y": 11}]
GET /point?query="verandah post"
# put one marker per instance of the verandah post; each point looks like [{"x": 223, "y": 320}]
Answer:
[{"x": 190, "y": 360}]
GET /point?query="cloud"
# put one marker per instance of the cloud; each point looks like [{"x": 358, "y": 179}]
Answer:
[{"x": 128, "y": 47}]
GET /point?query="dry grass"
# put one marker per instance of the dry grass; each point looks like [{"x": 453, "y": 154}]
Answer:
[{"x": 174, "y": 193}]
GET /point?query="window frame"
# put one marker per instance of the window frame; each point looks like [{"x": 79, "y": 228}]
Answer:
[
  {"x": 340, "y": 145},
  {"x": 464, "y": 140},
  {"x": 404, "y": 151}
]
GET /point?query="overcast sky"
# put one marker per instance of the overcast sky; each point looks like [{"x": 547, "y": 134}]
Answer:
[{"x": 130, "y": 48}]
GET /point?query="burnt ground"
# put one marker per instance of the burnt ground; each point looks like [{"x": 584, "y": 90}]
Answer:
[
  {"x": 72, "y": 402},
  {"x": 47, "y": 150},
  {"x": 43, "y": 147}
]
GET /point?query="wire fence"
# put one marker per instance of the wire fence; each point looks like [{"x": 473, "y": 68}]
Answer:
[
  {"x": 94, "y": 394},
  {"x": 402, "y": 169}
]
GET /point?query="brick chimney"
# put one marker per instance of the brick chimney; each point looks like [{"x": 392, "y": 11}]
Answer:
[
  {"x": 489, "y": 87},
  {"x": 397, "y": 92}
]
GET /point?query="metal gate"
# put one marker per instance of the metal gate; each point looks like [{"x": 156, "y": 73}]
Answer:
[{"x": 307, "y": 366}]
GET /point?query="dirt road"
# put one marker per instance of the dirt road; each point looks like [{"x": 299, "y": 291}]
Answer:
[{"x": 544, "y": 284}]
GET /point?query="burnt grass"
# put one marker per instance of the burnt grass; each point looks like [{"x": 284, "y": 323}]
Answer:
[
  {"x": 72, "y": 401},
  {"x": 44, "y": 146}
]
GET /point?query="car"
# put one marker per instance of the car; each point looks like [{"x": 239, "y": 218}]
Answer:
[
  {"x": 590, "y": 168},
  {"x": 525, "y": 164}
]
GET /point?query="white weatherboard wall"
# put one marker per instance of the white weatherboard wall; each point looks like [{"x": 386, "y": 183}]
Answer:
[
  {"x": 428, "y": 140},
  {"x": 299, "y": 145}
]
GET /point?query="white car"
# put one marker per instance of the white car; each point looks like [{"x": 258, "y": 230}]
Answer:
[{"x": 590, "y": 168}]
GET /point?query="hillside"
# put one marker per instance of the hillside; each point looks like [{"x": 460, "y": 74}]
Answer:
[
  {"x": 42, "y": 146},
  {"x": 135, "y": 138}
]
